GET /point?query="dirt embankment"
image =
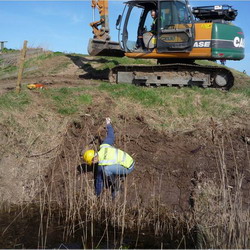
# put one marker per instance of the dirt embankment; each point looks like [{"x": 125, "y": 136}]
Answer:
[
  {"x": 165, "y": 166},
  {"x": 165, "y": 162}
]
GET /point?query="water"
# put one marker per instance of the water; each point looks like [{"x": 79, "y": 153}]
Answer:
[{"x": 35, "y": 227}]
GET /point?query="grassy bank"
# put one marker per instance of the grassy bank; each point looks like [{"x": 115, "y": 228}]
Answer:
[{"x": 171, "y": 107}]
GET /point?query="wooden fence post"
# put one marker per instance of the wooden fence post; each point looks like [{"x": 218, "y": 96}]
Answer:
[{"x": 21, "y": 66}]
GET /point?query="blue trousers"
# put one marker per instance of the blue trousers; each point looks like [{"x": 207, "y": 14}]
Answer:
[
  {"x": 117, "y": 169},
  {"x": 114, "y": 174}
]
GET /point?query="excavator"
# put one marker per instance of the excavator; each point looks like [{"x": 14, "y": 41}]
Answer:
[{"x": 180, "y": 35}]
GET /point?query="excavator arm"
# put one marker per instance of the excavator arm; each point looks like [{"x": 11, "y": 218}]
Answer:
[
  {"x": 101, "y": 45},
  {"x": 100, "y": 27}
]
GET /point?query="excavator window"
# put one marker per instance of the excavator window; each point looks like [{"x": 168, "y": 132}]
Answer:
[
  {"x": 176, "y": 26},
  {"x": 132, "y": 28},
  {"x": 137, "y": 32},
  {"x": 148, "y": 22},
  {"x": 173, "y": 13}
]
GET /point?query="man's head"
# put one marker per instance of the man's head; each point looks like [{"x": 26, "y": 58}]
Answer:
[
  {"x": 153, "y": 14},
  {"x": 90, "y": 157}
]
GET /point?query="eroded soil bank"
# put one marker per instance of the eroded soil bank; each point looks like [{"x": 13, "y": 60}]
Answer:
[
  {"x": 165, "y": 163},
  {"x": 154, "y": 198},
  {"x": 187, "y": 182}
]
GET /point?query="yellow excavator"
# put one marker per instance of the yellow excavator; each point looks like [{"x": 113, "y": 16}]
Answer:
[{"x": 176, "y": 35}]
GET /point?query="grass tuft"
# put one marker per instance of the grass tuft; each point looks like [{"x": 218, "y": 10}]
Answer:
[
  {"x": 67, "y": 101},
  {"x": 38, "y": 59},
  {"x": 12, "y": 100},
  {"x": 145, "y": 96},
  {"x": 186, "y": 102}
]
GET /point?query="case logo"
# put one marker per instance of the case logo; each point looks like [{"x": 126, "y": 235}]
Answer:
[
  {"x": 239, "y": 42},
  {"x": 202, "y": 44}
]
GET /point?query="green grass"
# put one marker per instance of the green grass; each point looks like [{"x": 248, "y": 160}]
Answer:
[
  {"x": 168, "y": 102},
  {"x": 9, "y": 69},
  {"x": 12, "y": 100},
  {"x": 207, "y": 63},
  {"x": 31, "y": 61},
  {"x": 67, "y": 101},
  {"x": 6, "y": 50},
  {"x": 245, "y": 91},
  {"x": 243, "y": 88},
  {"x": 59, "y": 67},
  {"x": 49, "y": 55},
  {"x": 185, "y": 102},
  {"x": 145, "y": 96},
  {"x": 126, "y": 60},
  {"x": 108, "y": 62}
]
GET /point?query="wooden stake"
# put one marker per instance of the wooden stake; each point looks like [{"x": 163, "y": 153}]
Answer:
[{"x": 21, "y": 66}]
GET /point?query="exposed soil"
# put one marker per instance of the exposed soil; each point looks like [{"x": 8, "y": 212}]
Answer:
[{"x": 165, "y": 163}]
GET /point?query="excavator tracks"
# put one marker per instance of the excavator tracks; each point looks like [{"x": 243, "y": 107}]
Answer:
[{"x": 177, "y": 74}]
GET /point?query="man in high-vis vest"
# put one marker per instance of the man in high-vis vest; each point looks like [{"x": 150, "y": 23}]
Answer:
[{"x": 112, "y": 163}]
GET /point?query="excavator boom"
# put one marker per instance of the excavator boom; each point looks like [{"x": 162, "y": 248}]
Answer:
[
  {"x": 174, "y": 34},
  {"x": 101, "y": 45},
  {"x": 100, "y": 27}
]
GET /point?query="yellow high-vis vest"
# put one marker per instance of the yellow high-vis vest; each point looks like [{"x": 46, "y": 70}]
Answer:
[{"x": 109, "y": 155}]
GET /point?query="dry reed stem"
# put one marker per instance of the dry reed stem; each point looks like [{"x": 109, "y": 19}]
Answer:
[
  {"x": 228, "y": 223},
  {"x": 219, "y": 208}
]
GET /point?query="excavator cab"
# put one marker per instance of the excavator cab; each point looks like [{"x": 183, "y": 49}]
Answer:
[
  {"x": 171, "y": 31},
  {"x": 175, "y": 35}
]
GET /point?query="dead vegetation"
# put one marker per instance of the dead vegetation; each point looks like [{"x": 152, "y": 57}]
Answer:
[
  {"x": 46, "y": 202},
  {"x": 154, "y": 209}
]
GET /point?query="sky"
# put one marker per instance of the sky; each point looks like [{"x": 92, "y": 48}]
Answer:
[{"x": 64, "y": 25}]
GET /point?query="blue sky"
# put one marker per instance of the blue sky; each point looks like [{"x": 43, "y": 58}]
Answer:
[{"x": 64, "y": 25}]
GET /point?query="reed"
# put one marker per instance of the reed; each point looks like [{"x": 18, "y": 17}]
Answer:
[{"x": 69, "y": 210}]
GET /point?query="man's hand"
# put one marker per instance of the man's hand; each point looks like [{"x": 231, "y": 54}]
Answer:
[{"x": 108, "y": 120}]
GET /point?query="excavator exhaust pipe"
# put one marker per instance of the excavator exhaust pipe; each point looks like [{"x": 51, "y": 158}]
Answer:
[{"x": 104, "y": 48}]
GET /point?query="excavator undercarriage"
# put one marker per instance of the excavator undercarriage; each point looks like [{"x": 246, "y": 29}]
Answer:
[
  {"x": 181, "y": 36},
  {"x": 177, "y": 74}
]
